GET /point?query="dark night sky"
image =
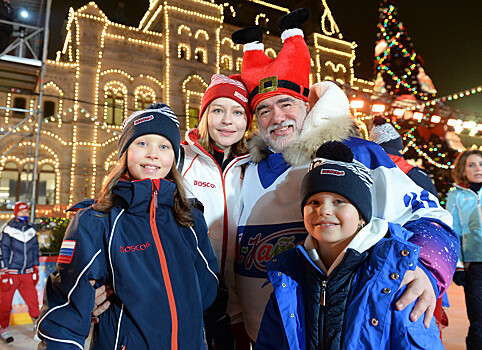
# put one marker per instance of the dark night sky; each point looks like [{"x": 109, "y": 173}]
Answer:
[{"x": 446, "y": 34}]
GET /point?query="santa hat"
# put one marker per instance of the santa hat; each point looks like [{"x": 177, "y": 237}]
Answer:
[
  {"x": 386, "y": 136},
  {"x": 19, "y": 206},
  {"x": 230, "y": 87},
  {"x": 288, "y": 73},
  {"x": 334, "y": 170}
]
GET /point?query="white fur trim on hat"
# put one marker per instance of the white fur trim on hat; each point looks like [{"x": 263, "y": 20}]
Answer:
[
  {"x": 254, "y": 46},
  {"x": 332, "y": 104},
  {"x": 288, "y": 33}
]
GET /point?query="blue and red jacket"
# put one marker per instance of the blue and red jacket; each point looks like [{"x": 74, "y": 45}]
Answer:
[{"x": 163, "y": 275}]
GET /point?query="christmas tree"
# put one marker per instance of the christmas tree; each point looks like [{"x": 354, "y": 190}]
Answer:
[
  {"x": 399, "y": 69},
  {"x": 400, "y": 75}
]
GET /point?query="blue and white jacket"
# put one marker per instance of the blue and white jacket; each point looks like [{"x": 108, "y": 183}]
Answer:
[
  {"x": 465, "y": 207},
  {"x": 271, "y": 220},
  {"x": 163, "y": 275},
  {"x": 350, "y": 306},
  {"x": 20, "y": 248}
]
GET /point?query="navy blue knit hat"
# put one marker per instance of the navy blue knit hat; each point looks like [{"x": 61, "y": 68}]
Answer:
[
  {"x": 334, "y": 170},
  {"x": 157, "y": 119}
]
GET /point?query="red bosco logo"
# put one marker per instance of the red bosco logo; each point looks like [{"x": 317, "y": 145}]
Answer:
[
  {"x": 204, "y": 184},
  {"x": 134, "y": 248}
]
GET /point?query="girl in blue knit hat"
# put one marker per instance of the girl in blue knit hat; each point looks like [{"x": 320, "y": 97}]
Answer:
[
  {"x": 338, "y": 289},
  {"x": 144, "y": 239}
]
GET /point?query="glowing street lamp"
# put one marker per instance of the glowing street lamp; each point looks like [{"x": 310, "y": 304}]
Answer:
[
  {"x": 357, "y": 104},
  {"x": 417, "y": 116},
  {"x": 378, "y": 108},
  {"x": 399, "y": 112},
  {"x": 24, "y": 14},
  {"x": 436, "y": 119}
]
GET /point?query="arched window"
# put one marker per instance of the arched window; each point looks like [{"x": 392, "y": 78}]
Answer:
[
  {"x": 114, "y": 107},
  {"x": 227, "y": 62},
  {"x": 26, "y": 182},
  {"x": 200, "y": 55},
  {"x": 46, "y": 185},
  {"x": 239, "y": 64},
  {"x": 144, "y": 96},
  {"x": 9, "y": 182},
  {"x": 193, "y": 117},
  {"x": 20, "y": 103},
  {"x": 49, "y": 109},
  {"x": 183, "y": 52}
]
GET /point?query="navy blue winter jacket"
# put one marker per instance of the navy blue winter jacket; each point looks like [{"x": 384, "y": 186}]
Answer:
[
  {"x": 354, "y": 308},
  {"x": 20, "y": 248},
  {"x": 163, "y": 275}
]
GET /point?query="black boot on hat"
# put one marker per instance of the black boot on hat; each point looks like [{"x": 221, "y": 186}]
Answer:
[
  {"x": 294, "y": 19},
  {"x": 247, "y": 35}
]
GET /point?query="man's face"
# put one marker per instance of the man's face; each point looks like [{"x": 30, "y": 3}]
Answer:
[{"x": 280, "y": 120}]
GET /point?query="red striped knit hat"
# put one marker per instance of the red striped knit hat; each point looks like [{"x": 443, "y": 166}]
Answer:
[
  {"x": 230, "y": 87},
  {"x": 19, "y": 206}
]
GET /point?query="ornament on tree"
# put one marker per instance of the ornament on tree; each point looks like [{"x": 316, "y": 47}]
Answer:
[
  {"x": 453, "y": 141},
  {"x": 425, "y": 82},
  {"x": 380, "y": 47},
  {"x": 379, "y": 86}
]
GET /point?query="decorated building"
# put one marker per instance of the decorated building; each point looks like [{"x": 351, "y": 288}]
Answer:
[{"x": 106, "y": 70}]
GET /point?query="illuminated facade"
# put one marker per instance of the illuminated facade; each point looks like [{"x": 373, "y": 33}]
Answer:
[{"x": 106, "y": 70}]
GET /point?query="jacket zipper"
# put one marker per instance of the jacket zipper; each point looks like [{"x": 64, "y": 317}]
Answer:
[
  {"x": 323, "y": 293},
  {"x": 164, "y": 269}
]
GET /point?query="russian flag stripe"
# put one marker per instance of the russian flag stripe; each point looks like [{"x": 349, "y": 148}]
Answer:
[{"x": 66, "y": 252}]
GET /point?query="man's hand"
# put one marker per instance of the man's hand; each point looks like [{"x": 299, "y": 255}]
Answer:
[
  {"x": 418, "y": 286},
  {"x": 101, "y": 303}
]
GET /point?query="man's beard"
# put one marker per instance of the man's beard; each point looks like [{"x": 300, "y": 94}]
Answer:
[{"x": 280, "y": 143}]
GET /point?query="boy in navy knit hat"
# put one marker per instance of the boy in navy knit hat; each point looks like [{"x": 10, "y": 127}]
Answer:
[{"x": 338, "y": 289}]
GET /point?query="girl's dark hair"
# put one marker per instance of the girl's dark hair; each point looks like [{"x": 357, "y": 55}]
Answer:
[
  {"x": 458, "y": 172},
  {"x": 238, "y": 149},
  {"x": 181, "y": 209}
]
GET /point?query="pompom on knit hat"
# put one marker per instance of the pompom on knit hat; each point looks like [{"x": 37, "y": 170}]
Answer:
[
  {"x": 19, "y": 206},
  {"x": 229, "y": 87},
  {"x": 334, "y": 170},
  {"x": 157, "y": 119},
  {"x": 386, "y": 136}
]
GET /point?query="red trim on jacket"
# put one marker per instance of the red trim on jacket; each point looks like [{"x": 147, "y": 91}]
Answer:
[
  {"x": 401, "y": 163},
  {"x": 163, "y": 262}
]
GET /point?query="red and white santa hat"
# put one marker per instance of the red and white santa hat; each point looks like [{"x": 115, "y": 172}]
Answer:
[
  {"x": 19, "y": 206},
  {"x": 230, "y": 87},
  {"x": 287, "y": 74}
]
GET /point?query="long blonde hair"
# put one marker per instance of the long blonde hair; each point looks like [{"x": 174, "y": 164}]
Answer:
[
  {"x": 181, "y": 209},
  {"x": 237, "y": 149}
]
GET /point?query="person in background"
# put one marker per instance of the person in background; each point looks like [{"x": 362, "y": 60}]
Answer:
[
  {"x": 338, "y": 289},
  {"x": 388, "y": 137},
  {"x": 383, "y": 133},
  {"x": 293, "y": 121},
  {"x": 6, "y": 14},
  {"x": 463, "y": 202},
  {"x": 20, "y": 254},
  {"x": 215, "y": 156},
  {"x": 143, "y": 238}
]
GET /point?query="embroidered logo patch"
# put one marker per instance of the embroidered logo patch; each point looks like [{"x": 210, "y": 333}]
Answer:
[
  {"x": 66, "y": 252},
  {"x": 241, "y": 97},
  {"x": 332, "y": 172},
  {"x": 143, "y": 119}
]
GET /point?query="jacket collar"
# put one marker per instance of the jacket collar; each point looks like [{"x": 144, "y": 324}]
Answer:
[
  {"x": 135, "y": 196},
  {"x": 317, "y": 129},
  {"x": 366, "y": 238}
]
